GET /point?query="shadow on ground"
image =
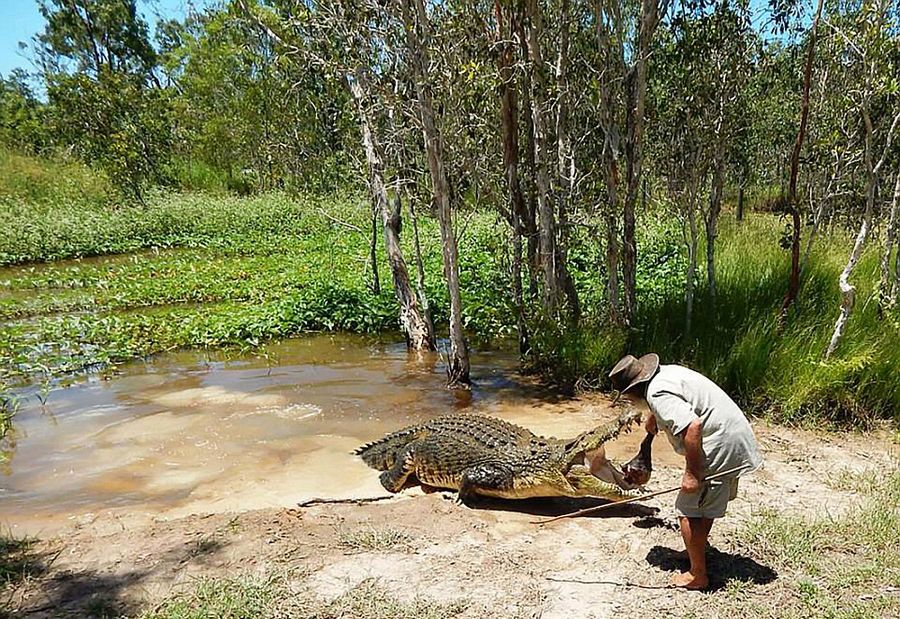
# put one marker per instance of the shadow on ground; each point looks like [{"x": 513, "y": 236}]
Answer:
[
  {"x": 722, "y": 566},
  {"x": 552, "y": 506},
  {"x": 30, "y": 585}
]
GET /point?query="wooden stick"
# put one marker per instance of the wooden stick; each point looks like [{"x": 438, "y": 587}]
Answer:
[
  {"x": 350, "y": 500},
  {"x": 591, "y": 510}
]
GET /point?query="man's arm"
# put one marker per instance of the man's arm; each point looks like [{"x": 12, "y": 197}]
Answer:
[{"x": 693, "y": 457}]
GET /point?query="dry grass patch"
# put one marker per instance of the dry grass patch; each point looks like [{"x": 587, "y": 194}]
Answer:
[
  {"x": 371, "y": 539},
  {"x": 838, "y": 568},
  {"x": 277, "y": 597}
]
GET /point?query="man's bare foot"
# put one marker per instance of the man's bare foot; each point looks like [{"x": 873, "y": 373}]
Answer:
[{"x": 689, "y": 581}]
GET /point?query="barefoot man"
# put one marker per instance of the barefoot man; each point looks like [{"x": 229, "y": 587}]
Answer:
[{"x": 705, "y": 426}]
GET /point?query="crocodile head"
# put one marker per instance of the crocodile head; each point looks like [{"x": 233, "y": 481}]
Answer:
[{"x": 587, "y": 452}]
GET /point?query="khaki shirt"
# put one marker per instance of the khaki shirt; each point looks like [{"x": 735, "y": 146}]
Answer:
[{"x": 678, "y": 395}]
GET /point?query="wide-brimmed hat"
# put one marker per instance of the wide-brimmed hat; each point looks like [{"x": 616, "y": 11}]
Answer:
[{"x": 631, "y": 371}]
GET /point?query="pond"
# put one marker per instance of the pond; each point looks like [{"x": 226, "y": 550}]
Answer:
[{"x": 182, "y": 433}]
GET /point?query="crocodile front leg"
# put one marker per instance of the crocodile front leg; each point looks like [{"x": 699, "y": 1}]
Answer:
[
  {"x": 488, "y": 479},
  {"x": 395, "y": 477}
]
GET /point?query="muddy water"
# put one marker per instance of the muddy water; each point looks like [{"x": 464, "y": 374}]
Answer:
[{"x": 183, "y": 434}]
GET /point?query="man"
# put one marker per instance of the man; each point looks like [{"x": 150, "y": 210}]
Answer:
[{"x": 705, "y": 426}]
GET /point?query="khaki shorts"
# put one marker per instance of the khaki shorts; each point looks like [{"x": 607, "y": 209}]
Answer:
[{"x": 710, "y": 502}]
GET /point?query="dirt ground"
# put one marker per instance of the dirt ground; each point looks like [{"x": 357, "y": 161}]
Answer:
[{"x": 491, "y": 557}]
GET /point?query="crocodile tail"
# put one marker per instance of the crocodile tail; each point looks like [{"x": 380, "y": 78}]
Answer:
[{"x": 381, "y": 454}]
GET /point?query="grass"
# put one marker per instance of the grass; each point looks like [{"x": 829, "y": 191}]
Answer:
[
  {"x": 370, "y": 539},
  {"x": 277, "y": 596},
  {"x": 204, "y": 271},
  {"x": 737, "y": 340},
  {"x": 837, "y": 568},
  {"x": 18, "y": 563}
]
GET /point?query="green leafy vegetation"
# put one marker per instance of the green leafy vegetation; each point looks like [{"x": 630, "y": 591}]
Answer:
[
  {"x": 214, "y": 271},
  {"x": 221, "y": 159},
  {"x": 738, "y": 341},
  {"x": 18, "y": 563}
]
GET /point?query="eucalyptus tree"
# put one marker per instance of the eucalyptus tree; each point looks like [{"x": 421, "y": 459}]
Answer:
[
  {"x": 701, "y": 62},
  {"x": 93, "y": 36},
  {"x": 864, "y": 43},
  {"x": 22, "y": 114},
  {"x": 728, "y": 48},
  {"x": 791, "y": 198},
  {"x": 417, "y": 24},
  {"x": 98, "y": 64},
  {"x": 344, "y": 40},
  {"x": 625, "y": 36}
]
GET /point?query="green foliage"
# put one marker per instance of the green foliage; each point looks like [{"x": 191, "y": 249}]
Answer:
[
  {"x": 114, "y": 122},
  {"x": 251, "y": 120},
  {"x": 209, "y": 598},
  {"x": 18, "y": 562},
  {"x": 21, "y": 114},
  {"x": 209, "y": 272},
  {"x": 276, "y": 596},
  {"x": 737, "y": 342},
  {"x": 96, "y": 35},
  {"x": 222, "y": 271}
]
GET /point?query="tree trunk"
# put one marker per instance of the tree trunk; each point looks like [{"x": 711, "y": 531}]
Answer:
[
  {"x": 546, "y": 216},
  {"x": 715, "y": 208},
  {"x": 895, "y": 285},
  {"x": 420, "y": 274},
  {"x": 634, "y": 151},
  {"x": 373, "y": 245},
  {"x": 614, "y": 65},
  {"x": 418, "y": 38},
  {"x": 794, "y": 283},
  {"x": 740, "y": 204},
  {"x": 885, "y": 300},
  {"x": 848, "y": 291},
  {"x": 817, "y": 221},
  {"x": 411, "y": 319},
  {"x": 517, "y": 211},
  {"x": 612, "y": 268},
  {"x": 692, "y": 265},
  {"x": 565, "y": 163},
  {"x": 529, "y": 223}
]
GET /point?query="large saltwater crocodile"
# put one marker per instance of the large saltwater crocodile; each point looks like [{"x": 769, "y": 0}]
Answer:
[{"x": 479, "y": 455}]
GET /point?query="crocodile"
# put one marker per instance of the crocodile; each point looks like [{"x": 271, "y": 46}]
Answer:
[{"x": 479, "y": 455}]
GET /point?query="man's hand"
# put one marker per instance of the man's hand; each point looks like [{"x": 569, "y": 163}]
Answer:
[
  {"x": 650, "y": 424},
  {"x": 690, "y": 483}
]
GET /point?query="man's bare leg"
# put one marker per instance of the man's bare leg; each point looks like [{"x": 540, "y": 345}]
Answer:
[{"x": 694, "y": 532}]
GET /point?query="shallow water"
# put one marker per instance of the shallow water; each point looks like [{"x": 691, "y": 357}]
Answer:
[{"x": 181, "y": 434}]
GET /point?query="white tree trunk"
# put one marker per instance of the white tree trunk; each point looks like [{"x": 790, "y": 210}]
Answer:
[
  {"x": 419, "y": 336},
  {"x": 887, "y": 283},
  {"x": 418, "y": 39},
  {"x": 539, "y": 109},
  {"x": 691, "y": 274},
  {"x": 848, "y": 292}
]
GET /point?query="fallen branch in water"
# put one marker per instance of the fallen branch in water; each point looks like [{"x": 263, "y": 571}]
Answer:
[{"x": 357, "y": 500}]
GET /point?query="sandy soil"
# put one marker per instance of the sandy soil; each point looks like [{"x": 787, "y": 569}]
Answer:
[{"x": 617, "y": 564}]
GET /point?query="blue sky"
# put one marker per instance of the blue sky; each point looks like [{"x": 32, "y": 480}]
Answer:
[{"x": 20, "y": 20}]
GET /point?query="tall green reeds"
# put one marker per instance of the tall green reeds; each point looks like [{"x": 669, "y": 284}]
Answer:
[{"x": 737, "y": 340}]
